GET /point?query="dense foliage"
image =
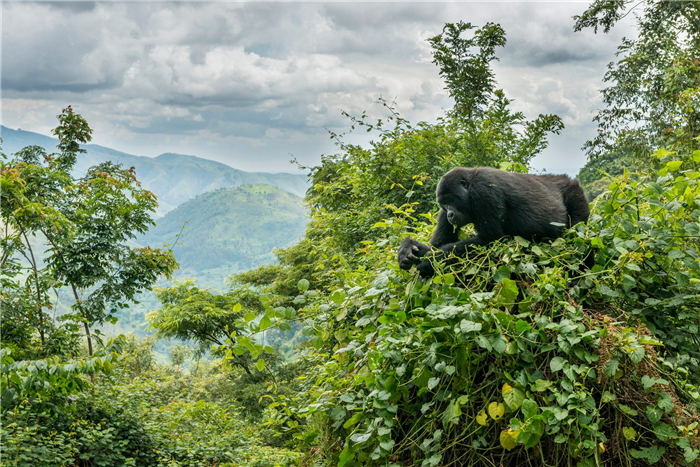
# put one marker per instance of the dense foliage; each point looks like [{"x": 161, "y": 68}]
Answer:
[
  {"x": 515, "y": 355},
  {"x": 140, "y": 414}
]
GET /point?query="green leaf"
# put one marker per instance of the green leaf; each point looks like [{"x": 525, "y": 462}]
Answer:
[
  {"x": 674, "y": 165},
  {"x": 338, "y": 296},
  {"x": 469, "y": 326},
  {"x": 387, "y": 445},
  {"x": 557, "y": 364},
  {"x": 651, "y": 454},
  {"x": 636, "y": 354},
  {"x": 303, "y": 285},
  {"x": 499, "y": 343},
  {"x": 531, "y": 433},
  {"x": 541, "y": 385},
  {"x": 513, "y": 397},
  {"x": 260, "y": 364},
  {"x": 521, "y": 241},
  {"x": 451, "y": 414},
  {"x": 449, "y": 279},
  {"x": 360, "y": 437},
  {"x": 503, "y": 272},
  {"x": 433, "y": 382},
  {"x": 530, "y": 409},
  {"x": 345, "y": 456},
  {"x": 264, "y": 323},
  {"x": 665, "y": 402},
  {"x": 654, "y": 413},
  {"x": 481, "y": 418},
  {"x": 508, "y": 291},
  {"x": 483, "y": 342},
  {"x": 629, "y": 433},
  {"x": 353, "y": 420},
  {"x": 648, "y": 382}
]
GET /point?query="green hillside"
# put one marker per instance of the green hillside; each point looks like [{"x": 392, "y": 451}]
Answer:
[
  {"x": 229, "y": 230},
  {"x": 174, "y": 178}
]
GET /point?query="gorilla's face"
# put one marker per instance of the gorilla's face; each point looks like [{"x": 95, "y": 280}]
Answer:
[{"x": 453, "y": 196}]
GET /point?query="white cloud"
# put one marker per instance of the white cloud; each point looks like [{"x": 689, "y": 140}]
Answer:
[{"x": 228, "y": 80}]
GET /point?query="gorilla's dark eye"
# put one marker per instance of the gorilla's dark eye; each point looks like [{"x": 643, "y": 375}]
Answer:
[{"x": 463, "y": 182}]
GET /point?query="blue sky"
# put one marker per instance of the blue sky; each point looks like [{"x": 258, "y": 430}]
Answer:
[{"x": 255, "y": 84}]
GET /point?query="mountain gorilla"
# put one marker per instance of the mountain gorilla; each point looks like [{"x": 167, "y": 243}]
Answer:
[{"x": 499, "y": 204}]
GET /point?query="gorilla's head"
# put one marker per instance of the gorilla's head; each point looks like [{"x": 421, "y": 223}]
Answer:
[{"x": 453, "y": 195}]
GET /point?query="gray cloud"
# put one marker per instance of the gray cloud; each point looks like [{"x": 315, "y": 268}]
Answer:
[{"x": 249, "y": 83}]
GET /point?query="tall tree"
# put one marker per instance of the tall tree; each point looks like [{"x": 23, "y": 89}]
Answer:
[
  {"x": 653, "y": 99},
  {"x": 87, "y": 223}
]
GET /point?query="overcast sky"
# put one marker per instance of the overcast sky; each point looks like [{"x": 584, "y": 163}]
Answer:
[{"x": 255, "y": 84}]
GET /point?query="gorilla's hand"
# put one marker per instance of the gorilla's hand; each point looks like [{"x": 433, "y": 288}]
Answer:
[
  {"x": 427, "y": 267},
  {"x": 410, "y": 252}
]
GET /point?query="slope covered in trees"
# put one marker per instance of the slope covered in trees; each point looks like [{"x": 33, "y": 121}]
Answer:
[{"x": 229, "y": 230}]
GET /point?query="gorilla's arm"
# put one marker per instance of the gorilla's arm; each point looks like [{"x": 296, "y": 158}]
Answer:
[
  {"x": 488, "y": 230},
  {"x": 487, "y": 223},
  {"x": 412, "y": 251},
  {"x": 444, "y": 232}
]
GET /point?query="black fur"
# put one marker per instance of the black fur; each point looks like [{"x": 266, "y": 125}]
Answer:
[{"x": 499, "y": 204}]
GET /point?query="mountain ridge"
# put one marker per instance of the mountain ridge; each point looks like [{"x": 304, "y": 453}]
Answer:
[{"x": 174, "y": 178}]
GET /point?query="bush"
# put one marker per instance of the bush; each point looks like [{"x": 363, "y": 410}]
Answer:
[
  {"x": 26, "y": 442},
  {"x": 518, "y": 355}
]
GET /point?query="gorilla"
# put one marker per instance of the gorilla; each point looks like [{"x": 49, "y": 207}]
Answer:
[{"x": 499, "y": 204}]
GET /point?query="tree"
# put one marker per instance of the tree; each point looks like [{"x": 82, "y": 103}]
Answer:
[
  {"x": 87, "y": 223},
  {"x": 210, "y": 320},
  {"x": 468, "y": 76},
  {"x": 654, "y": 94}
]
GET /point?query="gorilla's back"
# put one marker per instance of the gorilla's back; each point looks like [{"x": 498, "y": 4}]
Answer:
[{"x": 532, "y": 202}]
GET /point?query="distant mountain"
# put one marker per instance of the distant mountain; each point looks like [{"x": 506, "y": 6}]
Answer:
[
  {"x": 229, "y": 230},
  {"x": 174, "y": 178}
]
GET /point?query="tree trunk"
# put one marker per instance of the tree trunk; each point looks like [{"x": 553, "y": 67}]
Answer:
[{"x": 85, "y": 323}]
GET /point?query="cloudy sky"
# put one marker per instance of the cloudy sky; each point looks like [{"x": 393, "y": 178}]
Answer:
[{"x": 254, "y": 84}]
